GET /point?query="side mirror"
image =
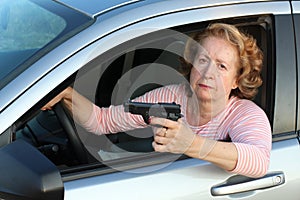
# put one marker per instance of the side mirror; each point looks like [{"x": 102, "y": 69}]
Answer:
[{"x": 27, "y": 174}]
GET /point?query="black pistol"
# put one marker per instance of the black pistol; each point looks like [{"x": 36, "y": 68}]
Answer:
[{"x": 164, "y": 110}]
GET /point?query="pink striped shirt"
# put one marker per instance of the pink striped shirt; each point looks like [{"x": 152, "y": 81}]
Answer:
[{"x": 242, "y": 122}]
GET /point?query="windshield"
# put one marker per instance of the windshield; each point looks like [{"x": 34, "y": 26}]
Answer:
[{"x": 29, "y": 26}]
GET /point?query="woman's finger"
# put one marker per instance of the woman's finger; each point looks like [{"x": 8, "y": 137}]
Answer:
[
  {"x": 161, "y": 140},
  {"x": 163, "y": 122},
  {"x": 48, "y": 106},
  {"x": 161, "y": 131},
  {"x": 159, "y": 147}
]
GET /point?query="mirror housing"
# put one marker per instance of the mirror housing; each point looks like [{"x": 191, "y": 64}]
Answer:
[{"x": 27, "y": 174}]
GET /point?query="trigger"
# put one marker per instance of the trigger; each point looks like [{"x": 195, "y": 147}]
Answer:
[{"x": 146, "y": 118}]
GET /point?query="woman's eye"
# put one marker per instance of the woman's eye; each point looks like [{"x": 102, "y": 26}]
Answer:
[
  {"x": 203, "y": 60},
  {"x": 222, "y": 66}
]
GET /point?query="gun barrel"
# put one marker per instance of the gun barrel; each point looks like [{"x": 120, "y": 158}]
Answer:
[{"x": 165, "y": 110}]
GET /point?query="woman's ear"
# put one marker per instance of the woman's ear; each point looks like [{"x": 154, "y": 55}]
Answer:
[{"x": 235, "y": 84}]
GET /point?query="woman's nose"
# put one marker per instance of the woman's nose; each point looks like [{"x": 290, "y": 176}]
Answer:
[{"x": 210, "y": 71}]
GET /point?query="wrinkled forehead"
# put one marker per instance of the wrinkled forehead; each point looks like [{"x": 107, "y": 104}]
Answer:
[{"x": 215, "y": 47}]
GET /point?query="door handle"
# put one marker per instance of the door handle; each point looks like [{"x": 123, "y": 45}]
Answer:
[{"x": 237, "y": 184}]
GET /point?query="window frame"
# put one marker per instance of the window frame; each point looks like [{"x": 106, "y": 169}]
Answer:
[{"x": 157, "y": 158}]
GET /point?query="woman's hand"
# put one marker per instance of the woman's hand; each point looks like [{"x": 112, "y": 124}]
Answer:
[
  {"x": 58, "y": 98},
  {"x": 80, "y": 107},
  {"x": 173, "y": 137},
  {"x": 177, "y": 137}
]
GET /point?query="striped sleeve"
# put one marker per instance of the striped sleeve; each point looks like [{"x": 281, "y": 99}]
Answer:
[
  {"x": 251, "y": 134},
  {"x": 114, "y": 119}
]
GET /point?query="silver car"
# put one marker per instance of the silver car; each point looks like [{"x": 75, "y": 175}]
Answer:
[{"x": 111, "y": 51}]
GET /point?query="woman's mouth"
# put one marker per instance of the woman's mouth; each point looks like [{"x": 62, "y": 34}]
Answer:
[{"x": 204, "y": 86}]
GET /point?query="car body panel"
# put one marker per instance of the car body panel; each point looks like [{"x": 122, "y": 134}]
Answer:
[
  {"x": 296, "y": 7},
  {"x": 187, "y": 179},
  {"x": 105, "y": 6}
]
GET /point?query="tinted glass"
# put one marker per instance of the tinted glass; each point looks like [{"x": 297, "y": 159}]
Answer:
[{"x": 27, "y": 27}]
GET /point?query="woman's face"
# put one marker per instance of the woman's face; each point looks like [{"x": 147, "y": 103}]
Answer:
[{"x": 214, "y": 70}]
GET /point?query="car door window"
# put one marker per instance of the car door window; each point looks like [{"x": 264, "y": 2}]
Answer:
[
  {"x": 140, "y": 68},
  {"x": 123, "y": 73}
]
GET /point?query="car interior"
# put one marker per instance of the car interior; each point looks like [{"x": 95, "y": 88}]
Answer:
[{"x": 66, "y": 144}]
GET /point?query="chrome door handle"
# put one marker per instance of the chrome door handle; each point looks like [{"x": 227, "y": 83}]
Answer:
[{"x": 237, "y": 184}]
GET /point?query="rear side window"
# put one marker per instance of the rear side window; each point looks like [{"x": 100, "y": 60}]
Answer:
[
  {"x": 31, "y": 28},
  {"x": 35, "y": 33}
]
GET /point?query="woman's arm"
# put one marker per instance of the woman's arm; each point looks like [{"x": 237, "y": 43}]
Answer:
[
  {"x": 222, "y": 154},
  {"x": 249, "y": 159},
  {"x": 179, "y": 138},
  {"x": 79, "y": 106}
]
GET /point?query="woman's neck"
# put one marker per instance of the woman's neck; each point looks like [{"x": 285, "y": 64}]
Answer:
[{"x": 201, "y": 112}]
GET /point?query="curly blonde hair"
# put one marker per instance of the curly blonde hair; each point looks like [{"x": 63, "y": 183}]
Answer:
[{"x": 250, "y": 57}]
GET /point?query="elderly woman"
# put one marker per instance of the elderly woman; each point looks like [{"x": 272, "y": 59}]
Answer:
[{"x": 223, "y": 68}]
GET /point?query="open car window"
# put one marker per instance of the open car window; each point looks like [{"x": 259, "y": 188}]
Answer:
[{"x": 123, "y": 73}]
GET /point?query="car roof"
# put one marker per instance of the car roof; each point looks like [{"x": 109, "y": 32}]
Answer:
[{"x": 96, "y": 7}]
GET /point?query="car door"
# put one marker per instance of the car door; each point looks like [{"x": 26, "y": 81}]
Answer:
[
  {"x": 202, "y": 179},
  {"x": 150, "y": 175}
]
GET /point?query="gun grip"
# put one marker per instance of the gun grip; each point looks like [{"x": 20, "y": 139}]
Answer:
[{"x": 146, "y": 118}]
